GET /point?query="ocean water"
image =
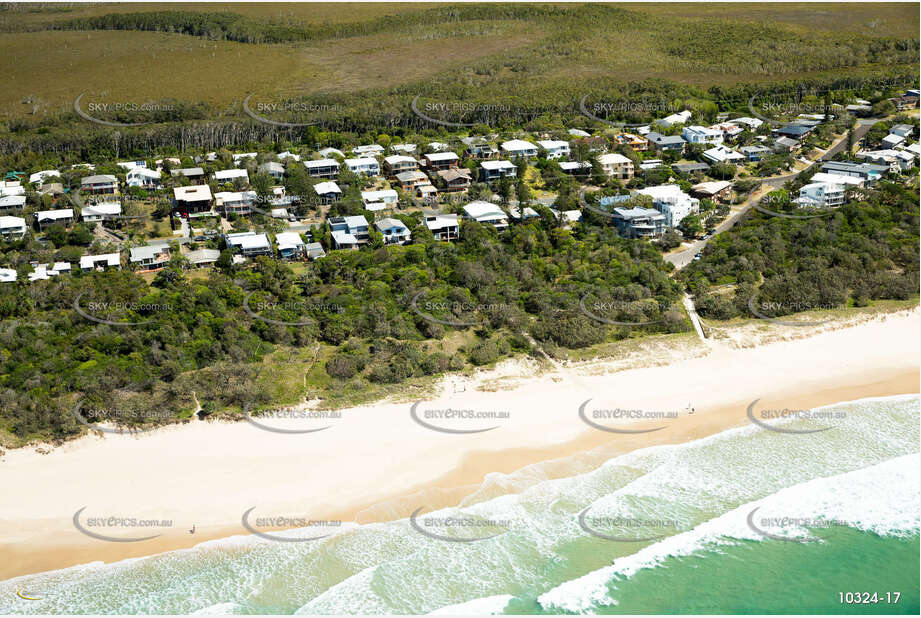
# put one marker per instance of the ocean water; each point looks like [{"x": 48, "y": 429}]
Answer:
[{"x": 746, "y": 521}]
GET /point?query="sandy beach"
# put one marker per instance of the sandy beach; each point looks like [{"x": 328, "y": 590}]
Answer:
[{"x": 378, "y": 463}]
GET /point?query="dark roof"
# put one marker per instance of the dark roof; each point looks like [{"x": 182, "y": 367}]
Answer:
[
  {"x": 659, "y": 139},
  {"x": 794, "y": 130},
  {"x": 690, "y": 167}
]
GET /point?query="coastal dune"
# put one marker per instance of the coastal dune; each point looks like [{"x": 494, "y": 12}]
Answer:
[{"x": 385, "y": 461}]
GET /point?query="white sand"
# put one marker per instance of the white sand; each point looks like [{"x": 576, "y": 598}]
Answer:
[{"x": 208, "y": 474}]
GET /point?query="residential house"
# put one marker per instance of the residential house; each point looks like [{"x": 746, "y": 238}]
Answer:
[
  {"x": 902, "y": 130},
  {"x": 8, "y": 275},
  {"x": 527, "y": 213},
  {"x": 427, "y": 192},
  {"x": 64, "y": 216},
  {"x": 249, "y": 244},
  {"x": 666, "y": 142},
  {"x": 897, "y": 160},
  {"x": 438, "y": 146},
  {"x": 243, "y": 156},
  {"x": 579, "y": 133},
  {"x": 12, "y": 228},
  {"x": 519, "y": 148},
  {"x": 327, "y": 192},
  {"x": 795, "y": 130},
  {"x": 616, "y": 165},
  {"x": 397, "y": 164},
  {"x": 555, "y": 149},
  {"x": 192, "y": 200},
  {"x": 349, "y": 232},
  {"x": 274, "y": 169},
  {"x": 393, "y": 230},
  {"x": 150, "y": 257},
  {"x": 672, "y": 202},
  {"x": 838, "y": 179},
  {"x": 406, "y": 148},
  {"x": 40, "y": 178},
  {"x": 235, "y": 202},
  {"x": 755, "y": 153},
  {"x": 479, "y": 148},
  {"x": 100, "y": 184},
  {"x": 639, "y": 222},
  {"x": 751, "y": 123},
  {"x": 821, "y": 194},
  {"x": 696, "y": 134},
  {"x": 410, "y": 180},
  {"x": 225, "y": 176},
  {"x": 486, "y": 213},
  {"x": 866, "y": 171},
  {"x": 143, "y": 178},
  {"x": 457, "y": 179},
  {"x": 322, "y": 168},
  {"x": 328, "y": 153},
  {"x": 637, "y": 142},
  {"x": 130, "y": 165},
  {"x": 203, "y": 257},
  {"x": 650, "y": 164},
  {"x": 282, "y": 156},
  {"x": 101, "y": 212},
  {"x": 441, "y": 160},
  {"x": 443, "y": 227},
  {"x": 12, "y": 203},
  {"x": 290, "y": 245},
  {"x": 722, "y": 154},
  {"x": 379, "y": 200},
  {"x": 718, "y": 191},
  {"x": 369, "y": 150},
  {"x": 493, "y": 170},
  {"x": 314, "y": 250},
  {"x": 786, "y": 144},
  {"x": 729, "y": 130},
  {"x": 101, "y": 262},
  {"x": 575, "y": 167},
  {"x": 892, "y": 140},
  {"x": 364, "y": 165},
  {"x": 195, "y": 175}
]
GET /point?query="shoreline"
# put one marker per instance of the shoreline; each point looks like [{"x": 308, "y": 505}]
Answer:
[{"x": 386, "y": 466}]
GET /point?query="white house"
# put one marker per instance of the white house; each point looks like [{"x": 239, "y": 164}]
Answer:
[
  {"x": 239, "y": 202},
  {"x": 327, "y": 192},
  {"x": 63, "y": 216},
  {"x": 393, "y": 230},
  {"x": 39, "y": 178},
  {"x": 555, "y": 149},
  {"x": 130, "y": 165},
  {"x": 892, "y": 140},
  {"x": 369, "y": 149},
  {"x": 8, "y": 275},
  {"x": 493, "y": 170},
  {"x": 403, "y": 147},
  {"x": 903, "y": 130},
  {"x": 243, "y": 156},
  {"x": 838, "y": 179},
  {"x": 519, "y": 148},
  {"x": 348, "y": 232},
  {"x": 379, "y": 200},
  {"x": 100, "y": 262},
  {"x": 821, "y": 194},
  {"x": 9, "y": 203},
  {"x": 326, "y": 153},
  {"x": 231, "y": 175},
  {"x": 396, "y": 164},
  {"x": 249, "y": 244},
  {"x": 288, "y": 155},
  {"x": 290, "y": 245},
  {"x": 443, "y": 227},
  {"x": 364, "y": 165},
  {"x": 486, "y": 213},
  {"x": 104, "y": 211},
  {"x": 323, "y": 168},
  {"x": 751, "y": 123},
  {"x": 722, "y": 154},
  {"x": 150, "y": 257},
  {"x": 143, "y": 177},
  {"x": 696, "y": 134},
  {"x": 12, "y": 228},
  {"x": 672, "y": 202}
]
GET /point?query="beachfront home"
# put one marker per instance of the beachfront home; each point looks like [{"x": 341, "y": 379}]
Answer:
[
  {"x": 443, "y": 227},
  {"x": 672, "y": 202},
  {"x": 290, "y": 245},
  {"x": 696, "y": 134},
  {"x": 486, "y": 213},
  {"x": 349, "y": 232},
  {"x": 327, "y": 192},
  {"x": 150, "y": 257},
  {"x": 519, "y": 148},
  {"x": 143, "y": 178},
  {"x": 722, "y": 154},
  {"x": 555, "y": 149},
  {"x": 662, "y": 143},
  {"x": 457, "y": 179},
  {"x": 192, "y": 200},
  {"x": 64, "y": 216},
  {"x": 100, "y": 184},
  {"x": 322, "y": 168},
  {"x": 379, "y": 200},
  {"x": 195, "y": 175},
  {"x": 616, "y": 165},
  {"x": 101, "y": 212},
  {"x": 101, "y": 262},
  {"x": 12, "y": 228},
  {"x": 494, "y": 170},
  {"x": 235, "y": 202},
  {"x": 364, "y": 165},
  {"x": 639, "y": 222},
  {"x": 397, "y": 164},
  {"x": 249, "y": 244},
  {"x": 394, "y": 231},
  {"x": 441, "y": 160}
]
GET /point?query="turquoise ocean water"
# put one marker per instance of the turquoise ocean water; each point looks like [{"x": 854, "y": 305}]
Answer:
[{"x": 745, "y": 521}]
